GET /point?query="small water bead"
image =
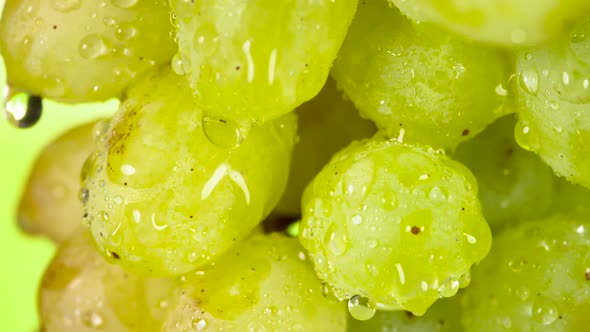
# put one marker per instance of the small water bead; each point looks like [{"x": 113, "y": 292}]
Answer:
[
  {"x": 529, "y": 80},
  {"x": 544, "y": 310},
  {"x": 525, "y": 137},
  {"x": 336, "y": 242},
  {"x": 83, "y": 195},
  {"x": 93, "y": 320},
  {"x": 178, "y": 64},
  {"x": 361, "y": 308},
  {"x": 21, "y": 109},
  {"x": 126, "y": 31},
  {"x": 225, "y": 134},
  {"x": 93, "y": 46},
  {"x": 449, "y": 288},
  {"x": 200, "y": 324}
]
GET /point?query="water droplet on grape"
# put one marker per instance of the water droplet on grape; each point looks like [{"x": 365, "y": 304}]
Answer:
[
  {"x": 21, "y": 109},
  {"x": 178, "y": 64},
  {"x": 361, "y": 308},
  {"x": 224, "y": 134},
  {"x": 336, "y": 242},
  {"x": 200, "y": 324},
  {"x": 126, "y": 31},
  {"x": 93, "y": 320},
  {"x": 529, "y": 78},
  {"x": 83, "y": 195},
  {"x": 544, "y": 310},
  {"x": 92, "y": 47},
  {"x": 65, "y": 6},
  {"x": 124, "y": 3},
  {"x": 525, "y": 137},
  {"x": 449, "y": 288}
]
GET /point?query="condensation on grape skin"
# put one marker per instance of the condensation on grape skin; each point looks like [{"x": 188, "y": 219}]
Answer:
[
  {"x": 361, "y": 308},
  {"x": 21, "y": 109},
  {"x": 529, "y": 80}
]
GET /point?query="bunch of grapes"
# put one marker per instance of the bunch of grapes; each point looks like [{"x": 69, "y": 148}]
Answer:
[{"x": 327, "y": 165}]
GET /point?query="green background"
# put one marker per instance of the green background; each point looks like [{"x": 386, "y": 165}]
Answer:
[{"x": 23, "y": 257}]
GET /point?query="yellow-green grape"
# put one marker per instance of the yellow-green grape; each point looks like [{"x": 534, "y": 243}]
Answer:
[
  {"x": 50, "y": 203},
  {"x": 83, "y": 50},
  {"x": 393, "y": 226},
  {"x": 500, "y": 22},
  {"x": 81, "y": 292},
  {"x": 255, "y": 60},
  {"x": 327, "y": 124},
  {"x": 554, "y": 101},
  {"x": 442, "y": 316},
  {"x": 264, "y": 284},
  {"x": 571, "y": 199},
  {"x": 161, "y": 198},
  {"x": 419, "y": 82},
  {"x": 536, "y": 278},
  {"x": 514, "y": 184}
]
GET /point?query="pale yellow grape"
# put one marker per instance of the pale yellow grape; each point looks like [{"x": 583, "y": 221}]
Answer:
[
  {"x": 81, "y": 292},
  {"x": 50, "y": 204},
  {"x": 501, "y": 22},
  {"x": 554, "y": 103},
  {"x": 83, "y": 50},
  {"x": 163, "y": 199},
  {"x": 327, "y": 123},
  {"x": 397, "y": 224},
  {"x": 265, "y": 283},
  {"x": 255, "y": 60}
]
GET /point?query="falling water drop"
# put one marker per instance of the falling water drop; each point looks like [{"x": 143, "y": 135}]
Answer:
[
  {"x": 21, "y": 109},
  {"x": 361, "y": 308}
]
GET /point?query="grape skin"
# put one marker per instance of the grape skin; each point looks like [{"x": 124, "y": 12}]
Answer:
[
  {"x": 164, "y": 200},
  {"x": 50, "y": 204},
  {"x": 81, "y": 292},
  {"x": 83, "y": 50},
  {"x": 418, "y": 81},
  {"x": 396, "y": 223},
  {"x": 500, "y": 22},
  {"x": 553, "y": 103},
  {"x": 514, "y": 184},
  {"x": 536, "y": 278},
  {"x": 255, "y": 60},
  {"x": 264, "y": 284}
]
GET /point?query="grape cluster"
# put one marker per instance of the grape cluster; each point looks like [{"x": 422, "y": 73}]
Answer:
[{"x": 376, "y": 165}]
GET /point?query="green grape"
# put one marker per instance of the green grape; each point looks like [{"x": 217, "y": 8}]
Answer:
[
  {"x": 265, "y": 284},
  {"x": 161, "y": 198},
  {"x": 514, "y": 184},
  {"x": 536, "y": 278},
  {"x": 50, "y": 204},
  {"x": 442, "y": 316},
  {"x": 553, "y": 104},
  {"x": 501, "y": 22},
  {"x": 418, "y": 81},
  {"x": 393, "y": 226},
  {"x": 255, "y": 60},
  {"x": 81, "y": 292},
  {"x": 327, "y": 124},
  {"x": 83, "y": 50},
  {"x": 571, "y": 199}
]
